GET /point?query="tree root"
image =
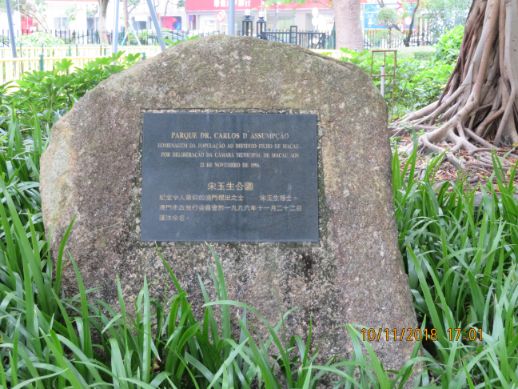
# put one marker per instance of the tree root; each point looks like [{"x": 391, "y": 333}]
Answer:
[{"x": 478, "y": 110}]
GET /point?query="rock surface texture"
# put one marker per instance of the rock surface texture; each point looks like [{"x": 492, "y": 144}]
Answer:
[{"x": 91, "y": 173}]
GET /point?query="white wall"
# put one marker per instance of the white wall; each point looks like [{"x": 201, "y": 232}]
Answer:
[
  {"x": 76, "y": 12},
  {"x": 4, "y": 23},
  {"x": 61, "y": 9}
]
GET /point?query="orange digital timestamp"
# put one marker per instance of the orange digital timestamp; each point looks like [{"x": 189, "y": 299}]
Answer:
[
  {"x": 471, "y": 334},
  {"x": 398, "y": 334},
  {"x": 419, "y": 334}
]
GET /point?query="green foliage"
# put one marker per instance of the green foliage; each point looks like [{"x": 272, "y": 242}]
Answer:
[
  {"x": 172, "y": 40},
  {"x": 55, "y": 342},
  {"x": 43, "y": 96},
  {"x": 144, "y": 37},
  {"x": 419, "y": 79},
  {"x": 448, "y": 47},
  {"x": 38, "y": 39},
  {"x": 419, "y": 83},
  {"x": 461, "y": 259},
  {"x": 446, "y": 14},
  {"x": 387, "y": 16},
  {"x": 27, "y": 111},
  {"x": 447, "y": 5},
  {"x": 171, "y": 37}
]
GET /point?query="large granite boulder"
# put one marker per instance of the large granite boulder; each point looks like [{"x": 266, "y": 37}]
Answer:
[{"x": 354, "y": 274}]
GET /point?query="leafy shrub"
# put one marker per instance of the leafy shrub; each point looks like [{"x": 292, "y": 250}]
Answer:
[
  {"x": 387, "y": 16},
  {"x": 144, "y": 37},
  {"x": 39, "y": 39},
  {"x": 171, "y": 37},
  {"x": 48, "y": 94},
  {"x": 448, "y": 48},
  {"x": 419, "y": 81},
  {"x": 361, "y": 58},
  {"x": 27, "y": 113}
]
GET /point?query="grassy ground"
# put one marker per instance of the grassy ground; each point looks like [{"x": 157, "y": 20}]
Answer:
[{"x": 461, "y": 260}]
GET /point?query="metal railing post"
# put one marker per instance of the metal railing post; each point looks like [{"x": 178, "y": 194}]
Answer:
[
  {"x": 293, "y": 35},
  {"x": 231, "y": 27},
  {"x": 154, "y": 18},
  {"x": 115, "y": 43},
  {"x": 12, "y": 39}
]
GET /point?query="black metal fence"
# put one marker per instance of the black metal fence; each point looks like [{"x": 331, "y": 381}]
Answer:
[
  {"x": 393, "y": 39},
  {"x": 292, "y": 36},
  {"x": 86, "y": 37},
  {"x": 306, "y": 39},
  {"x": 428, "y": 29},
  {"x": 77, "y": 37}
]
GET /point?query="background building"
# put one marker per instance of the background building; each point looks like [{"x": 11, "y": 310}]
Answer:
[
  {"x": 198, "y": 16},
  {"x": 211, "y": 15},
  {"x": 371, "y": 8},
  {"x": 82, "y": 15}
]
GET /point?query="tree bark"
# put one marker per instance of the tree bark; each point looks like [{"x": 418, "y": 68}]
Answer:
[
  {"x": 126, "y": 16},
  {"x": 410, "y": 31},
  {"x": 479, "y": 106},
  {"x": 103, "y": 8},
  {"x": 348, "y": 24}
]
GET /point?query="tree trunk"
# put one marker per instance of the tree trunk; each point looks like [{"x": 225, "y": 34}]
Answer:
[
  {"x": 103, "y": 8},
  {"x": 478, "y": 109},
  {"x": 410, "y": 31},
  {"x": 126, "y": 16},
  {"x": 348, "y": 24}
]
